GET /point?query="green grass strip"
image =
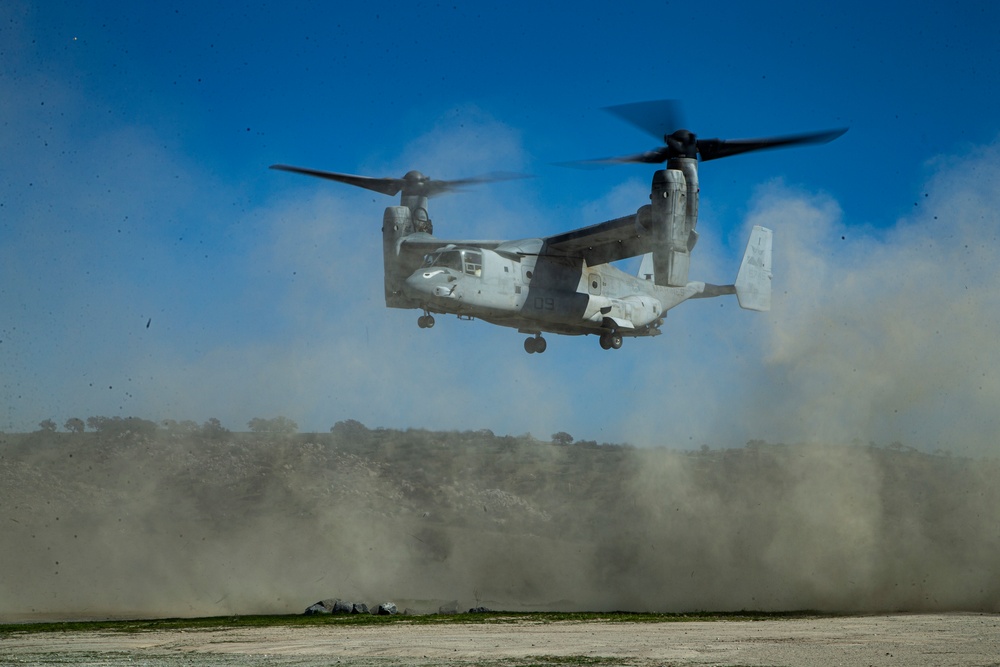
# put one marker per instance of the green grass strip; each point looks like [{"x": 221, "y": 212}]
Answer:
[{"x": 298, "y": 620}]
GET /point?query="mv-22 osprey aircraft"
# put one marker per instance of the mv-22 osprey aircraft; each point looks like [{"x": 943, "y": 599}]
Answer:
[{"x": 565, "y": 284}]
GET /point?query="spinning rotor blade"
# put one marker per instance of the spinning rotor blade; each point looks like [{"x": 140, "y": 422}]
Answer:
[
  {"x": 387, "y": 186},
  {"x": 710, "y": 149},
  {"x": 657, "y": 118},
  {"x": 655, "y": 156},
  {"x": 413, "y": 183},
  {"x": 663, "y": 120},
  {"x": 492, "y": 177}
]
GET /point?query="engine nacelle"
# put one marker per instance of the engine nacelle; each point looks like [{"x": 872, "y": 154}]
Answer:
[
  {"x": 397, "y": 224},
  {"x": 671, "y": 217}
]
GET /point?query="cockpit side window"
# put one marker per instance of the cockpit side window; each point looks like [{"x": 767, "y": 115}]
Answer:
[
  {"x": 473, "y": 262},
  {"x": 466, "y": 261},
  {"x": 446, "y": 259}
]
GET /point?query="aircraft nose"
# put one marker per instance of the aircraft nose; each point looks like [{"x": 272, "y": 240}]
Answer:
[
  {"x": 416, "y": 284},
  {"x": 431, "y": 282}
]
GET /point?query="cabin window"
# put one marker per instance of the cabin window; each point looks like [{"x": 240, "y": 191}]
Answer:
[
  {"x": 595, "y": 284},
  {"x": 473, "y": 262}
]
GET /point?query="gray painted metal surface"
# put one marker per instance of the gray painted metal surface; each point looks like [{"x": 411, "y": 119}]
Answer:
[{"x": 564, "y": 284}]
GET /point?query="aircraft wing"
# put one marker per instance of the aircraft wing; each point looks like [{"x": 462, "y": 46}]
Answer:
[
  {"x": 601, "y": 243},
  {"x": 421, "y": 243},
  {"x": 604, "y": 242}
]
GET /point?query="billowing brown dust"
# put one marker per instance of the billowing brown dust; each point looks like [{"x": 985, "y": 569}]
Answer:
[{"x": 128, "y": 524}]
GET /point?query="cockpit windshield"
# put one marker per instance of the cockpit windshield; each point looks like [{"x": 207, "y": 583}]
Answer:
[{"x": 466, "y": 261}]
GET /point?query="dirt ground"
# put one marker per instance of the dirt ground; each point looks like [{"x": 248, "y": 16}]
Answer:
[{"x": 913, "y": 640}]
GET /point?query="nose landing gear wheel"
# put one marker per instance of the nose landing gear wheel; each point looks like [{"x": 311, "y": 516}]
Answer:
[
  {"x": 425, "y": 321},
  {"x": 611, "y": 340},
  {"x": 536, "y": 344}
]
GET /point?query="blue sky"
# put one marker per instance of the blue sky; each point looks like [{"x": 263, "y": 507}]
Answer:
[{"x": 134, "y": 189}]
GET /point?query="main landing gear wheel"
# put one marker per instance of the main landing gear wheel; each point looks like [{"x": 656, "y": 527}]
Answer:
[
  {"x": 611, "y": 340},
  {"x": 536, "y": 344},
  {"x": 425, "y": 321}
]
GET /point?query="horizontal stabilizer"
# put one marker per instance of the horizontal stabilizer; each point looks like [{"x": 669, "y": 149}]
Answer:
[{"x": 753, "y": 282}]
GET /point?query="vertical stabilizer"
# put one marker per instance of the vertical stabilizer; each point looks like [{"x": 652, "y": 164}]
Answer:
[{"x": 753, "y": 283}]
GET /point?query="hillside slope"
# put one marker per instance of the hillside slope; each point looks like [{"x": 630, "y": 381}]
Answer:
[{"x": 165, "y": 523}]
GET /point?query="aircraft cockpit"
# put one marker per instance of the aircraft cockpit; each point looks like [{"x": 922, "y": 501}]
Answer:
[{"x": 463, "y": 260}]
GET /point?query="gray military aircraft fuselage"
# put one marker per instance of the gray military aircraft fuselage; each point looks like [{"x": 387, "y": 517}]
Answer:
[
  {"x": 565, "y": 283},
  {"x": 534, "y": 292}
]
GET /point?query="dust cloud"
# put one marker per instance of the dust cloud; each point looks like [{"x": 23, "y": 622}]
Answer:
[
  {"x": 889, "y": 335},
  {"x": 165, "y": 524}
]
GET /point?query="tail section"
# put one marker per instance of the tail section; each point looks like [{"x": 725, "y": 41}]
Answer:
[{"x": 753, "y": 282}]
